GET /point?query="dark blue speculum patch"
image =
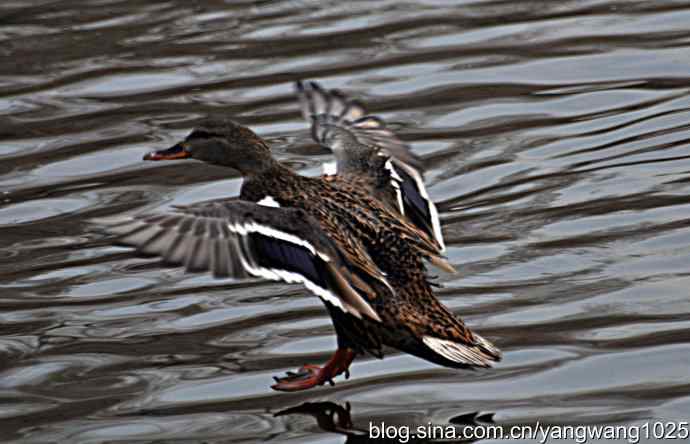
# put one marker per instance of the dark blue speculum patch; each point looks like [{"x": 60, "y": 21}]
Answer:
[{"x": 276, "y": 253}]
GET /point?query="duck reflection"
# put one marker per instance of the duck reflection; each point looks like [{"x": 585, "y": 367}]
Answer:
[
  {"x": 330, "y": 416},
  {"x": 337, "y": 418}
]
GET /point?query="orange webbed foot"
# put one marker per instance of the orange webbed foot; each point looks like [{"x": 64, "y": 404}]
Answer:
[{"x": 309, "y": 375}]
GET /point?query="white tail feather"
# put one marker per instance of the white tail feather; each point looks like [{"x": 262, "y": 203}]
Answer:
[
  {"x": 487, "y": 345},
  {"x": 460, "y": 353}
]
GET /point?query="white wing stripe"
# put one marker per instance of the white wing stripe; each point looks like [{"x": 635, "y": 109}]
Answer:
[
  {"x": 396, "y": 180},
  {"x": 399, "y": 195},
  {"x": 433, "y": 212},
  {"x": 253, "y": 227},
  {"x": 274, "y": 274},
  {"x": 291, "y": 278},
  {"x": 394, "y": 174}
]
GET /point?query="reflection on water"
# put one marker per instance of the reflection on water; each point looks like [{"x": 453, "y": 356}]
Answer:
[
  {"x": 558, "y": 150},
  {"x": 336, "y": 418}
]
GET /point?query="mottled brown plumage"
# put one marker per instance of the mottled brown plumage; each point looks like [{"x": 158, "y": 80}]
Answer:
[
  {"x": 379, "y": 255},
  {"x": 359, "y": 223}
]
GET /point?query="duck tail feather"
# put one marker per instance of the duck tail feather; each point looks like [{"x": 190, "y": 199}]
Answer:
[{"x": 455, "y": 354}]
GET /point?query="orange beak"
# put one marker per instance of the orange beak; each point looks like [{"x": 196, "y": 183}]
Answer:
[{"x": 177, "y": 151}]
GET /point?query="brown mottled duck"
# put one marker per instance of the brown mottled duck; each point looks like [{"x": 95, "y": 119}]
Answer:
[{"x": 362, "y": 259}]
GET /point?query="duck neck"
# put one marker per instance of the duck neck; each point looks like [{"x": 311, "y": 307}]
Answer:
[
  {"x": 273, "y": 179},
  {"x": 265, "y": 169}
]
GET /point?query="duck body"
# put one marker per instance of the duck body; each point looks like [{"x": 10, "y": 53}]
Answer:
[
  {"x": 356, "y": 253},
  {"x": 361, "y": 223}
]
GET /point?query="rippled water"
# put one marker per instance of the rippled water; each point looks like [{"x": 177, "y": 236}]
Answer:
[{"x": 557, "y": 140}]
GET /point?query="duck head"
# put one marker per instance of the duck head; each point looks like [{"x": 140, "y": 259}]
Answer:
[{"x": 221, "y": 142}]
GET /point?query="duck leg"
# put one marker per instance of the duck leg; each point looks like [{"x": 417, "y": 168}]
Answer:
[{"x": 312, "y": 375}]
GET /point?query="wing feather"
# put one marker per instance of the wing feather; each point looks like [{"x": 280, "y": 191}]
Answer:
[
  {"x": 332, "y": 109},
  {"x": 238, "y": 238},
  {"x": 337, "y": 121},
  {"x": 418, "y": 206}
]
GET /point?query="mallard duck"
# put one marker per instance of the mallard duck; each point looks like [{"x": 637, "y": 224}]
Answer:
[
  {"x": 358, "y": 256},
  {"x": 369, "y": 154}
]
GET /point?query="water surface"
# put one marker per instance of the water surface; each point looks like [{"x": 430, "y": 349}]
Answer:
[{"x": 557, "y": 144}]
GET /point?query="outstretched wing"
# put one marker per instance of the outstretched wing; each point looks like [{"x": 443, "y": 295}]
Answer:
[
  {"x": 240, "y": 239},
  {"x": 414, "y": 200},
  {"x": 328, "y": 109}
]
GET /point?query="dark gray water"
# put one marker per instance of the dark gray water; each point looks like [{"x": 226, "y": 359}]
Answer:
[{"x": 557, "y": 138}]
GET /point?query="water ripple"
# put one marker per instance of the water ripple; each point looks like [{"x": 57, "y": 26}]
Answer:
[{"x": 556, "y": 140}]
